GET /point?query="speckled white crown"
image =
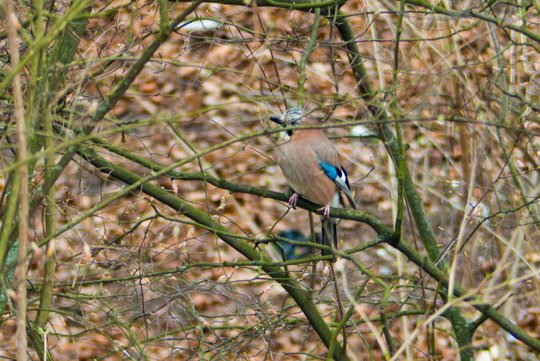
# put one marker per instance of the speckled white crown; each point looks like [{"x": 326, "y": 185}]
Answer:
[{"x": 293, "y": 115}]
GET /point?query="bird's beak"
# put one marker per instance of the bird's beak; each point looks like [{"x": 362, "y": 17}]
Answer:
[{"x": 276, "y": 119}]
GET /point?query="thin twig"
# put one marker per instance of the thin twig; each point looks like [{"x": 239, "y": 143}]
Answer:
[{"x": 22, "y": 170}]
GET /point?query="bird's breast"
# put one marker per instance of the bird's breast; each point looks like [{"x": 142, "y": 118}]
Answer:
[{"x": 300, "y": 167}]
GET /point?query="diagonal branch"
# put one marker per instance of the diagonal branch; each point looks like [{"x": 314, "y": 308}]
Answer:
[
  {"x": 290, "y": 285},
  {"x": 386, "y": 233}
]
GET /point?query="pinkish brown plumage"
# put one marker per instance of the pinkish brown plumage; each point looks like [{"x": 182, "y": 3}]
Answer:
[
  {"x": 297, "y": 159},
  {"x": 311, "y": 165}
]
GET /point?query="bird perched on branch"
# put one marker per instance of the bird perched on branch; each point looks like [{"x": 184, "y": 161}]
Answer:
[{"x": 311, "y": 165}]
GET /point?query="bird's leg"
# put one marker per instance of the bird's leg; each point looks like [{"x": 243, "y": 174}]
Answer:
[
  {"x": 293, "y": 200},
  {"x": 326, "y": 211},
  {"x": 333, "y": 203}
]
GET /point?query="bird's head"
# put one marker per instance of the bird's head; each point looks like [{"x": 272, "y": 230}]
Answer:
[{"x": 292, "y": 117}]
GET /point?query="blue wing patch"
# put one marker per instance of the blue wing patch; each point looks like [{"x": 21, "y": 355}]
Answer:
[
  {"x": 330, "y": 171},
  {"x": 338, "y": 176}
]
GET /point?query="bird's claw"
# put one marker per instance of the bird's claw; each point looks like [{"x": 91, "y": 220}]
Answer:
[
  {"x": 326, "y": 211},
  {"x": 293, "y": 200}
]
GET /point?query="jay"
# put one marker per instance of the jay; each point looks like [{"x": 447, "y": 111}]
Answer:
[{"x": 311, "y": 165}]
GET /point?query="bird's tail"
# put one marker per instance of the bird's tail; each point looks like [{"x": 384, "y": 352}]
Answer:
[
  {"x": 329, "y": 235},
  {"x": 350, "y": 197}
]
